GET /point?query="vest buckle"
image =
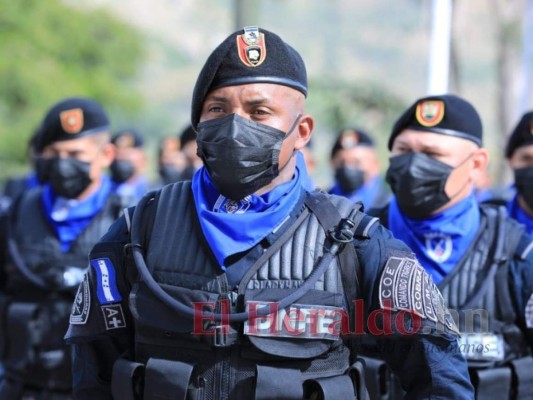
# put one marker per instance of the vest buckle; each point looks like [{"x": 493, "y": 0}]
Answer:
[{"x": 223, "y": 336}]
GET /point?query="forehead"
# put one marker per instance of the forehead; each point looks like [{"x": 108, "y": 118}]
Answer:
[
  {"x": 354, "y": 153},
  {"x": 253, "y": 91},
  {"x": 82, "y": 143},
  {"x": 416, "y": 139},
  {"x": 523, "y": 151}
]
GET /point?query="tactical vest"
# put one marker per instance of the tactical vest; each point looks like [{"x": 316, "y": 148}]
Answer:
[
  {"x": 477, "y": 293},
  {"x": 207, "y": 360},
  {"x": 40, "y": 287}
]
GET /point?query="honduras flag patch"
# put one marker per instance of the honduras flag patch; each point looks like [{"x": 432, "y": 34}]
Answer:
[{"x": 106, "y": 283}]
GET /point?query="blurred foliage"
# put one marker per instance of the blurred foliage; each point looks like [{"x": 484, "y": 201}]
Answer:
[{"x": 49, "y": 51}]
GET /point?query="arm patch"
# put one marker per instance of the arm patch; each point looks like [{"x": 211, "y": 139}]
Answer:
[
  {"x": 406, "y": 286},
  {"x": 82, "y": 303}
]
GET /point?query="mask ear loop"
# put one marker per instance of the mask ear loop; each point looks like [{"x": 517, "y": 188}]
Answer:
[
  {"x": 289, "y": 132},
  {"x": 467, "y": 182}
]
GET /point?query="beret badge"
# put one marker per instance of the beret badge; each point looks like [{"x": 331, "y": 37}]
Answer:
[
  {"x": 251, "y": 47},
  {"x": 430, "y": 112},
  {"x": 72, "y": 120}
]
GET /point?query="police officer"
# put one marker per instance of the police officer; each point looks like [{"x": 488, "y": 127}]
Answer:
[
  {"x": 47, "y": 238},
  {"x": 479, "y": 257},
  {"x": 172, "y": 163},
  {"x": 357, "y": 170},
  {"x": 127, "y": 169},
  {"x": 180, "y": 300},
  {"x": 15, "y": 186},
  {"x": 519, "y": 153}
]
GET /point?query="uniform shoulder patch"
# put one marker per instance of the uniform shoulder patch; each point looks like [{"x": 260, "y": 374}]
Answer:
[
  {"x": 405, "y": 285},
  {"x": 82, "y": 303},
  {"x": 113, "y": 316},
  {"x": 106, "y": 282}
]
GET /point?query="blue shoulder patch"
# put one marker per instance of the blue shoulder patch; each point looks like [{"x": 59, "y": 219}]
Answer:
[{"x": 106, "y": 283}]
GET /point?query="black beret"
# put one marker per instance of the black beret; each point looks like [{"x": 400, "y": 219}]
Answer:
[
  {"x": 127, "y": 138},
  {"x": 350, "y": 138},
  {"x": 447, "y": 114},
  {"x": 187, "y": 135},
  {"x": 251, "y": 55},
  {"x": 522, "y": 134},
  {"x": 72, "y": 118}
]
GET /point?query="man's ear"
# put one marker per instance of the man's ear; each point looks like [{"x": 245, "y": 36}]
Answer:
[
  {"x": 108, "y": 154},
  {"x": 480, "y": 161},
  {"x": 305, "y": 131}
]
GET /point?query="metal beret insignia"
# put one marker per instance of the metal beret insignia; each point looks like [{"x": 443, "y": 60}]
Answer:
[
  {"x": 72, "y": 120},
  {"x": 430, "y": 112},
  {"x": 405, "y": 285},
  {"x": 251, "y": 46}
]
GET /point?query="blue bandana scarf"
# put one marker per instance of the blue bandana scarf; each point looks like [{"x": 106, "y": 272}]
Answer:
[
  {"x": 518, "y": 213},
  {"x": 231, "y": 227},
  {"x": 441, "y": 240},
  {"x": 70, "y": 217},
  {"x": 366, "y": 193}
]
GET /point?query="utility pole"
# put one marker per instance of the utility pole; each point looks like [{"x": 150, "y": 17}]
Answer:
[
  {"x": 439, "y": 47},
  {"x": 526, "y": 79},
  {"x": 246, "y": 13}
]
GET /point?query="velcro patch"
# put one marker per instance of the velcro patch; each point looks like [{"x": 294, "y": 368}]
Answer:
[
  {"x": 81, "y": 306},
  {"x": 405, "y": 285},
  {"x": 297, "y": 322},
  {"x": 113, "y": 316},
  {"x": 106, "y": 283}
]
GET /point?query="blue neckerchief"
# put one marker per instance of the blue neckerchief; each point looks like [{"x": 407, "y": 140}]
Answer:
[
  {"x": 70, "y": 217},
  {"x": 441, "y": 240},
  {"x": 134, "y": 190},
  {"x": 367, "y": 193},
  {"x": 32, "y": 181},
  {"x": 518, "y": 213},
  {"x": 231, "y": 227}
]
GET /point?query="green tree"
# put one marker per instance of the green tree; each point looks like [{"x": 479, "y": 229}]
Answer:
[{"x": 48, "y": 51}]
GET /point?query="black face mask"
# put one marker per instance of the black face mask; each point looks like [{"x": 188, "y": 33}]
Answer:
[
  {"x": 523, "y": 178},
  {"x": 349, "y": 178},
  {"x": 67, "y": 176},
  {"x": 418, "y": 181},
  {"x": 121, "y": 170},
  {"x": 240, "y": 155}
]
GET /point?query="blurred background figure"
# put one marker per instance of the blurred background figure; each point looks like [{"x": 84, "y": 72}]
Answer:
[
  {"x": 15, "y": 186},
  {"x": 357, "y": 169},
  {"x": 177, "y": 159},
  {"x": 310, "y": 161},
  {"x": 188, "y": 147},
  {"x": 128, "y": 168},
  {"x": 519, "y": 153},
  {"x": 171, "y": 162},
  {"x": 44, "y": 243}
]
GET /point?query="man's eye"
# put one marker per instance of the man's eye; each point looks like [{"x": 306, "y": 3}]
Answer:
[{"x": 216, "y": 109}]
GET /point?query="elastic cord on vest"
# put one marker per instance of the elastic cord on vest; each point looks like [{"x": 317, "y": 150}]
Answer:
[{"x": 342, "y": 235}]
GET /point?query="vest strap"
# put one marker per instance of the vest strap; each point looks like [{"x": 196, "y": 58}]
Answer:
[
  {"x": 166, "y": 380},
  {"x": 492, "y": 383},
  {"x": 328, "y": 216},
  {"x": 522, "y": 377},
  {"x": 288, "y": 383},
  {"x": 125, "y": 377}
]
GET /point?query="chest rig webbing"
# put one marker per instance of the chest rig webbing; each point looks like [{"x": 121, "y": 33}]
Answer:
[{"x": 226, "y": 363}]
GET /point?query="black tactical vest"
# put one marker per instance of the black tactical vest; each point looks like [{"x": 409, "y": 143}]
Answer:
[
  {"x": 478, "y": 289},
  {"x": 37, "y": 315},
  {"x": 233, "y": 364}
]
